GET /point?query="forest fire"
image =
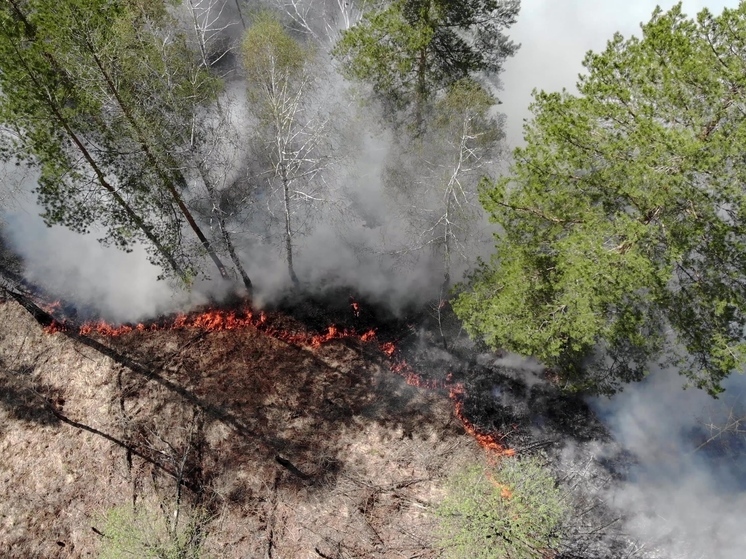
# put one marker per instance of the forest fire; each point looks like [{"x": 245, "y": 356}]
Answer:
[
  {"x": 489, "y": 441},
  {"x": 505, "y": 491},
  {"x": 355, "y": 307},
  {"x": 217, "y": 320}
]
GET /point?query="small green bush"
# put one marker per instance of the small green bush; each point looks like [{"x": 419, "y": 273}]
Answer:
[
  {"x": 147, "y": 535},
  {"x": 513, "y": 510}
]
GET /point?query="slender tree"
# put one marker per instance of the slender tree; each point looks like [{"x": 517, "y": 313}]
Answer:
[
  {"x": 215, "y": 139},
  {"x": 120, "y": 91},
  {"x": 279, "y": 83},
  {"x": 323, "y": 21},
  {"x": 433, "y": 184},
  {"x": 50, "y": 119}
]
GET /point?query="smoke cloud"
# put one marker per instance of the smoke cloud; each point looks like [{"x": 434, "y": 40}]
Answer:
[{"x": 684, "y": 498}]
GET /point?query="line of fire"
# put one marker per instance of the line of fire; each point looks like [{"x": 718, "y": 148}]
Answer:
[{"x": 217, "y": 320}]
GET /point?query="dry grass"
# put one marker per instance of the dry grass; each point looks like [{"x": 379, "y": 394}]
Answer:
[{"x": 294, "y": 453}]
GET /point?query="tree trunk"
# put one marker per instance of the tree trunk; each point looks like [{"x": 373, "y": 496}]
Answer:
[
  {"x": 446, "y": 270},
  {"x": 100, "y": 175},
  {"x": 447, "y": 247},
  {"x": 168, "y": 181},
  {"x": 240, "y": 14},
  {"x": 224, "y": 231},
  {"x": 288, "y": 229},
  {"x": 420, "y": 96}
]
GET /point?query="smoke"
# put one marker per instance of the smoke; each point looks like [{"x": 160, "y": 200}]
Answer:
[
  {"x": 684, "y": 497},
  {"x": 681, "y": 498},
  {"x": 100, "y": 281}
]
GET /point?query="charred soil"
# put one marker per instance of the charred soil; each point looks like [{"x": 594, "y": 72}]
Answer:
[{"x": 323, "y": 428}]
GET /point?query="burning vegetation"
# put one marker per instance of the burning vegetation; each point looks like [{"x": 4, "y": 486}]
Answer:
[
  {"x": 298, "y": 393},
  {"x": 219, "y": 320}
]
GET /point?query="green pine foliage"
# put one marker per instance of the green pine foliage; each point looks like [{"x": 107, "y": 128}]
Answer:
[
  {"x": 101, "y": 97},
  {"x": 622, "y": 222},
  {"x": 412, "y": 49}
]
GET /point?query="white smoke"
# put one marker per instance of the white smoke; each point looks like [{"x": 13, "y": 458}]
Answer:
[{"x": 685, "y": 496}]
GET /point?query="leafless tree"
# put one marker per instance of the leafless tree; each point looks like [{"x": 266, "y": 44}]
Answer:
[
  {"x": 280, "y": 82},
  {"x": 324, "y": 21},
  {"x": 213, "y": 163},
  {"x": 212, "y": 156},
  {"x": 211, "y": 26},
  {"x": 723, "y": 428},
  {"x": 438, "y": 195}
]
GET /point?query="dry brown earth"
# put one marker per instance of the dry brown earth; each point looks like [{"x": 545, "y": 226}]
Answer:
[{"x": 295, "y": 453}]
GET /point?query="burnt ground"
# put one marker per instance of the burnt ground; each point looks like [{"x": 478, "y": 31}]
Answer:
[
  {"x": 278, "y": 450},
  {"x": 292, "y": 452}
]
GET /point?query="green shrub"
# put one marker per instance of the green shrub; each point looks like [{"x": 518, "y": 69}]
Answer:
[
  {"x": 148, "y": 535},
  {"x": 511, "y": 510}
]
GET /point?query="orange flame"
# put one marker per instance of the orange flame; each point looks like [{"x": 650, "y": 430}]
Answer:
[
  {"x": 222, "y": 320},
  {"x": 489, "y": 441},
  {"x": 50, "y": 308},
  {"x": 505, "y": 491}
]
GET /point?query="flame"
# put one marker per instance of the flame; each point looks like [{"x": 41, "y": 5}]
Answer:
[
  {"x": 52, "y": 307},
  {"x": 355, "y": 307},
  {"x": 505, "y": 491},
  {"x": 389, "y": 348},
  {"x": 492, "y": 442},
  {"x": 369, "y": 336},
  {"x": 216, "y": 320}
]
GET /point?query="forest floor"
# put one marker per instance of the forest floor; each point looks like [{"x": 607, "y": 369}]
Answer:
[{"x": 282, "y": 451}]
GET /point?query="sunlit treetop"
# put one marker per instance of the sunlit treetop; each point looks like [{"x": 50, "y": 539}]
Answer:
[
  {"x": 622, "y": 221},
  {"x": 412, "y": 49}
]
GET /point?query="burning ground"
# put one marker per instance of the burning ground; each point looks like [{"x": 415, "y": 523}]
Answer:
[
  {"x": 323, "y": 428},
  {"x": 296, "y": 451}
]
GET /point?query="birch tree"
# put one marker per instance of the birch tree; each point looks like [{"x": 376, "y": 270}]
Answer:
[
  {"x": 323, "y": 21},
  {"x": 434, "y": 181},
  {"x": 280, "y": 81},
  {"x": 212, "y": 155}
]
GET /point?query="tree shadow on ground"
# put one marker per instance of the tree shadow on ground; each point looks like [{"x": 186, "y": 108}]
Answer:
[
  {"x": 284, "y": 405},
  {"x": 18, "y": 397}
]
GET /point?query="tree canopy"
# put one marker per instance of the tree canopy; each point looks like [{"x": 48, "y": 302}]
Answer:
[
  {"x": 623, "y": 236},
  {"x": 101, "y": 98},
  {"x": 412, "y": 49},
  {"x": 280, "y": 78}
]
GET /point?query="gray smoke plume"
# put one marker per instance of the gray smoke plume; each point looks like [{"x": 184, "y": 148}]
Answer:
[{"x": 684, "y": 497}]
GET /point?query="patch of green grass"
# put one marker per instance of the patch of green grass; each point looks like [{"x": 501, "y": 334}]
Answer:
[{"x": 145, "y": 534}]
